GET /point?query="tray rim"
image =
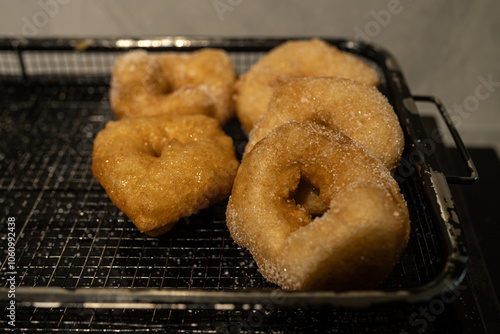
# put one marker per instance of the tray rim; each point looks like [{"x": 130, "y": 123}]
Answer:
[{"x": 433, "y": 182}]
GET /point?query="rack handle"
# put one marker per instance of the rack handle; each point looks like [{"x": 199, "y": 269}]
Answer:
[{"x": 473, "y": 174}]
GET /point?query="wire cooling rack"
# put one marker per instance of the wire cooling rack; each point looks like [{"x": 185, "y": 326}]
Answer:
[
  {"x": 77, "y": 253},
  {"x": 74, "y": 236}
]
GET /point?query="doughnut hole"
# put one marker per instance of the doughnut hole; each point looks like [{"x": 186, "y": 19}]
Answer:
[
  {"x": 155, "y": 153},
  {"x": 307, "y": 196},
  {"x": 157, "y": 147}
]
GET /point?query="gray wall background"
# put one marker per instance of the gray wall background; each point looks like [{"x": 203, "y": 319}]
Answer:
[{"x": 446, "y": 48}]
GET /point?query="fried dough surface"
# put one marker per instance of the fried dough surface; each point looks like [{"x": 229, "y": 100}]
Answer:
[
  {"x": 353, "y": 245},
  {"x": 359, "y": 110},
  {"x": 159, "y": 169}
]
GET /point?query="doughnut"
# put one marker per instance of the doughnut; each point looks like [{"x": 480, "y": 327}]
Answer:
[
  {"x": 359, "y": 110},
  {"x": 144, "y": 84},
  {"x": 353, "y": 245},
  {"x": 302, "y": 58},
  {"x": 158, "y": 169}
]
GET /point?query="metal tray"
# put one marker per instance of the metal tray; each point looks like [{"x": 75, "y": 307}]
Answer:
[{"x": 74, "y": 248}]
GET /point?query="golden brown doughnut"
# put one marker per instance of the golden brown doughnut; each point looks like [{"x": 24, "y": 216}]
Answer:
[
  {"x": 304, "y": 58},
  {"x": 359, "y": 110},
  {"x": 158, "y": 169},
  {"x": 357, "y": 241},
  {"x": 146, "y": 84}
]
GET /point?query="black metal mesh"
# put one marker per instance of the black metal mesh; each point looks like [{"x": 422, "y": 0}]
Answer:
[
  {"x": 9, "y": 64},
  {"x": 69, "y": 63}
]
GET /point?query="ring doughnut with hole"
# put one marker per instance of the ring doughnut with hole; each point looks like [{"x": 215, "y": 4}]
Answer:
[{"x": 353, "y": 245}]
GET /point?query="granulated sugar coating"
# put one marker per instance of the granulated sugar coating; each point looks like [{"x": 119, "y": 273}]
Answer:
[
  {"x": 305, "y": 58},
  {"x": 356, "y": 242},
  {"x": 359, "y": 110},
  {"x": 158, "y": 169},
  {"x": 145, "y": 84}
]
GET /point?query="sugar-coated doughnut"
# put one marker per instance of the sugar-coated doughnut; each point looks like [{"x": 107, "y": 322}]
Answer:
[
  {"x": 302, "y": 58},
  {"x": 353, "y": 245},
  {"x": 359, "y": 110},
  {"x": 145, "y": 84},
  {"x": 158, "y": 169}
]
